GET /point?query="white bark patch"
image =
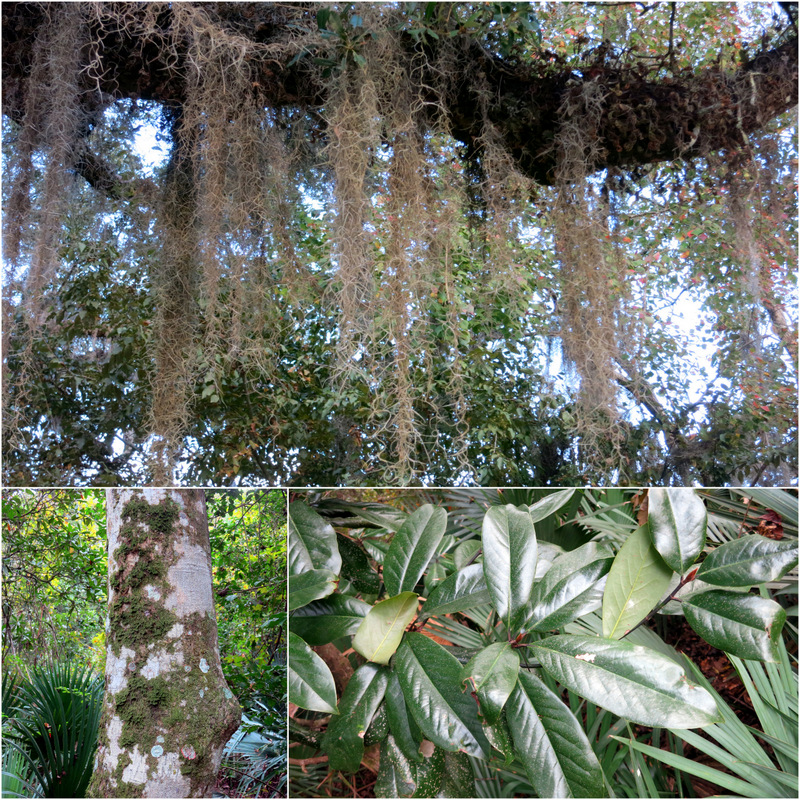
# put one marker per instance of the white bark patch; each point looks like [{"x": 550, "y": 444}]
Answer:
[
  {"x": 176, "y": 631},
  {"x": 152, "y": 592},
  {"x": 136, "y": 771},
  {"x": 117, "y": 669},
  {"x": 191, "y": 591},
  {"x": 167, "y": 780},
  {"x": 111, "y": 754},
  {"x": 161, "y": 661}
]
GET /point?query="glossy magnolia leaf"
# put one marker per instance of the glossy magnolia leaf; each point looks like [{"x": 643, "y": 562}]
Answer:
[
  {"x": 430, "y": 679},
  {"x": 310, "y": 681},
  {"x": 382, "y": 629},
  {"x": 678, "y": 520},
  {"x": 311, "y": 585},
  {"x": 326, "y": 620},
  {"x": 568, "y": 589},
  {"x": 509, "y": 562},
  {"x": 312, "y": 541},
  {"x": 550, "y": 742},
  {"x": 412, "y": 547},
  {"x": 550, "y": 504},
  {"x": 433, "y": 577},
  {"x": 401, "y": 724},
  {"x": 492, "y": 674},
  {"x": 637, "y": 581},
  {"x": 458, "y": 780},
  {"x": 356, "y": 567},
  {"x": 378, "y": 729},
  {"x": 396, "y": 774},
  {"x": 748, "y": 560},
  {"x": 458, "y": 592},
  {"x": 344, "y": 739},
  {"x": 499, "y": 736},
  {"x": 631, "y": 681},
  {"x": 742, "y": 624},
  {"x": 430, "y": 774},
  {"x": 465, "y": 553}
]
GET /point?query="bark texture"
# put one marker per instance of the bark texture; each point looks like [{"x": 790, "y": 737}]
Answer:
[{"x": 168, "y": 711}]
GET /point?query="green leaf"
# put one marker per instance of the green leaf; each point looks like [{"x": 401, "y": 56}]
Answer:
[
  {"x": 499, "y": 736},
  {"x": 458, "y": 780},
  {"x": 402, "y": 726},
  {"x": 310, "y": 681},
  {"x": 458, "y": 592},
  {"x": 311, "y": 585},
  {"x": 631, "y": 681},
  {"x": 509, "y": 562},
  {"x": 678, "y": 520},
  {"x": 396, "y": 774},
  {"x": 381, "y": 630},
  {"x": 748, "y": 560},
  {"x": 569, "y": 589},
  {"x": 550, "y": 742},
  {"x": 356, "y": 567},
  {"x": 550, "y": 504},
  {"x": 637, "y": 581},
  {"x": 326, "y": 620},
  {"x": 742, "y": 624},
  {"x": 312, "y": 541},
  {"x": 430, "y": 774},
  {"x": 493, "y": 673},
  {"x": 412, "y": 547},
  {"x": 430, "y": 679},
  {"x": 344, "y": 739},
  {"x": 465, "y": 552}
]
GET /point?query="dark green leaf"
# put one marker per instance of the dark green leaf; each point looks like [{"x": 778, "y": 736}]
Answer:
[
  {"x": 458, "y": 592},
  {"x": 311, "y": 585},
  {"x": 631, "y": 681},
  {"x": 344, "y": 739},
  {"x": 430, "y": 679},
  {"x": 326, "y": 620},
  {"x": 430, "y": 774},
  {"x": 381, "y": 630},
  {"x": 356, "y": 567},
  {"x": 412, "y": 547},
  {"x": 310, "y": 681},
  {"x": 637, "y": 581},
  {"x": 509, "y": 562},
  {"x": 401, "y": 724},
  {"x": 742, "y": 624},
  {"x": 378, "y": 729},
  {"x": 458, "y": 780},
  {"x": 748, "y": 560},
  {"x": 396, "y": 774},
  {"x": 678, "y": 521},
  {"x": 499, "y": 736},
  {"x": 551, "y": 743},
  {"x": 465, "y": 552},
  {"x": 569, "y": 589},
  {"x": 312, "y": 541},
  {"x": 493, "y": 673}
]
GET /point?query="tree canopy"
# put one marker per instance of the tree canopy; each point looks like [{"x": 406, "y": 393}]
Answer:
[{"x": 420, "y": 242}]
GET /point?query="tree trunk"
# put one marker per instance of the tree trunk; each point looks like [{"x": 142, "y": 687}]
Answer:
[{"x": 167, "y": 712}]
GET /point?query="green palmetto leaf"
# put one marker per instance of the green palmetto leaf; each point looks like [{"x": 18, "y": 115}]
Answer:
[
  {"x": 459, "y": 591},
  {"x": 326, "y": 620},
  {"x": 381, "y": 630},
  {"x": 430, "y": 679},
  {"x": 309, "y": 586},
  {"x": 509, "y": 562},
  {"x": 748, "y": 560},
  {"x": 310, "y": 681},
  {"x": 493, "y": 674},
  {"x": 741, "y": 624},
  {"x": 569, "y": 588},
  {"x": 678, "y": 522},
  {"x": 343, "y": 741},
  {"x": 629, "y": 680},
  {"x": 549, "y": 739},
  {"x": 312, "y": 541},
  {"x": 412, "y": 548},
  {"x": 636, "y": 582},
  {"x": 57, "y": 734}
]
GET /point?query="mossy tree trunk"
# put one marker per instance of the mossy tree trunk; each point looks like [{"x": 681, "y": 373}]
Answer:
[{"x": 167, "y": 712}]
